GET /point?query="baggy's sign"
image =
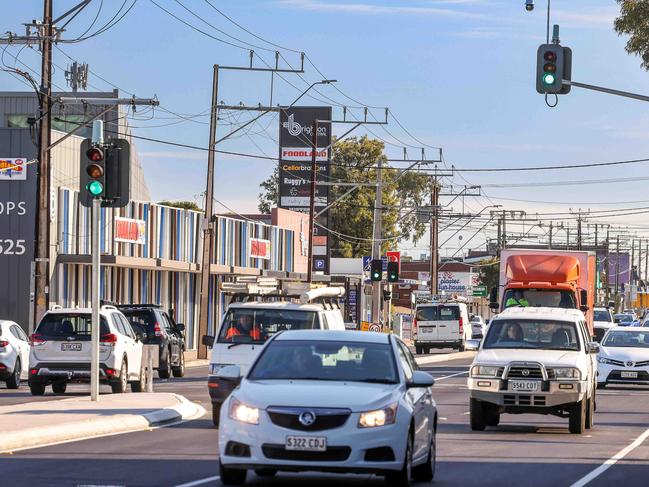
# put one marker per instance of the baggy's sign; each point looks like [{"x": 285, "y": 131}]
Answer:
[
  {"x": 13, "y": 169},
  {"x": 128, "y": 230}
]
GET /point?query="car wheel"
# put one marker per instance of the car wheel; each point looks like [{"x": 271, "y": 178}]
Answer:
[
  {"x": 180, "y": 370},
  {"x": 492, "y": 416},
  {"x": 590, "y": 412},
  {"x": 59, "y": 387},
  {"x": 140, "y": 384},
  {"x": 403, "y": 476},
  {"x": 577, "y": 421},
  {"x": 13, "y": 382},
  {"x": 37, "y": 388},
  {"x": 477, "y": 415},
  {"x": 232, "y": 476},
  {"x": 216, "y": 413},
  {"x": 265, "y": 472},
  {"x": 164, "y": 370},
  {"x": 601, "y": 385},
  {"x": 460, "y": 347},
  {"x": 426, "y": 471},
  {"x": 120, "y": 385},
  {"x": 418, "y": 350}
]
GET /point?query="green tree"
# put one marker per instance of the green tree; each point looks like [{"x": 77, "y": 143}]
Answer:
[
  {"x": 634, "y": 22},
  {"x": 185, "y": 205},
  {"x": 489, "y": 273},
  {"x": 351, "y": 219}
]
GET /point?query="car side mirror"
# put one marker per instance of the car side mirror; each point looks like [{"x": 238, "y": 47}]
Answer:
[
  {"x": 208, "y": 340},
  {"x": 472, "y": 345},
  {"x": 229, "y": 372},
  {"x": 584, "y": 308},
  {"x": 181, "y": 328},
  {"x": 421, "y": 379},
  {"x": 138, "y": 337},
  {"x": 593, "y": 347},
  {"x": 617, "y": 320}
]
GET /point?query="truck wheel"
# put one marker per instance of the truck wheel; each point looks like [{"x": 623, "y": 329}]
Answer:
[
  {"x": 590, "y": 412},
  {"x": 492, "y": 416},
  {"x": 477, "y": 415},
  {"x": 577, "y": 421},
  {"x": 216, "y": 413}
]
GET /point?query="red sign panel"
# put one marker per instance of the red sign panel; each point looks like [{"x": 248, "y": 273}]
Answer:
[{"x": 259, "y": 248}]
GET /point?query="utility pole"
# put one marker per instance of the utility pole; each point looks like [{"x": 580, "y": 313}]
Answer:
[
  {"x": 550, "y": 241},
  {"x": 579, "y": 231},
  {"x": 608, "y": 265},
  {"x": 596, "y": 239},
  {"x": 314, "y": 150},
  {"x": 208, "y": 225},
  {"x": 504, "y": 230},
  {"x": 434, "y": 237},
  {"x": 377, "y": 298},
  {"x": 617, "y": 272}
]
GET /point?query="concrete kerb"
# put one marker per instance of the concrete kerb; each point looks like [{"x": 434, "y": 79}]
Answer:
[
  {"x": 444, "y": 357},
  {"x": 100, "y": 426}
]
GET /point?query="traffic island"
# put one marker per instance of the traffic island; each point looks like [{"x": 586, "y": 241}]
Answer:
[{"x": 38, "y": 424}]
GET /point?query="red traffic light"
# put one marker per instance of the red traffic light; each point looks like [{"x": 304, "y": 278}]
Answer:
[
  {"x": 95, "y": 171},
  {"x": 550, "y": 56},
  {"x": 95, "y": 154}
]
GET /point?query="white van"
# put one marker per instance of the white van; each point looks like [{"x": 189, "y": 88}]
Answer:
[
  {"x": 247, "y": 325},
  {"x": 441, "y": 325}
]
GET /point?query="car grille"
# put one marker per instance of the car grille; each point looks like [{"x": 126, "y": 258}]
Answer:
[
  {"x": 332, "y": 454},
  {"x": 615, "y": 362},
  {"x": 325, "y": 419},
  {"x": 642, "y": 364},
  {"x": 524, "y": 400},
  {"x": 525, "y": 372}
]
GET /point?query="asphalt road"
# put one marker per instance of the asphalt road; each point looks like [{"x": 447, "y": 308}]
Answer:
[{"x": 525, "y": 450}]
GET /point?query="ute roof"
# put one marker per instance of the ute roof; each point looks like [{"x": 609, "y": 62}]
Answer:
[
  {"x": 561, "y": 314},
  {"x": 335, "y": 336},
  {"x": 543, "y": 268}
]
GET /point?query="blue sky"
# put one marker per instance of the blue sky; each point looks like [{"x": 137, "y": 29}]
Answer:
[{"x": 457, "y": 73}]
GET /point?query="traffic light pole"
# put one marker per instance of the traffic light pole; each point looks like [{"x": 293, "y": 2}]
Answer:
[
  {"x": 97, "y": 138},
  {"x": 377, "y": 295},
  {"x": 609, "y": 91}
]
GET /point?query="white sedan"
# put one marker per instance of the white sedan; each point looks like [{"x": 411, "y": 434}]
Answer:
[
  {"x": 14, "y": 354},
  {"x": 624, "y": 357},
  {"x": 330, "y": 401}
]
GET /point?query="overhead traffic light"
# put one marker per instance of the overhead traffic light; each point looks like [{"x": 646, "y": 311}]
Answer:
[
  {"x": 376, "y": 270},
  {"x": 393, "y": 272},
  {"x": 553, "y": 66},
  {"x": 105, "y": 173}
]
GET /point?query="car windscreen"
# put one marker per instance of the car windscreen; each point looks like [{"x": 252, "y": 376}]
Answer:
[
  {"x": 326, "y": 361},
  {"x": 624, "y": 318},
  {"x": 628, "y": 339},
  {"x": 533, "y": 334},
  {"x": 438, "y": 313},
  {"x": 59, "y": 326},
  {"x": 256, "y": 325},
  {"x": 602, "y": 315},
  {"x": 537, "y": 298}
]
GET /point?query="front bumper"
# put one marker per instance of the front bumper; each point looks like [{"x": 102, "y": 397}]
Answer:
[
  {"x": 346, "y": 446},
  {"x": 551, "y": 393},
  {"x": 612, "y": 374}
]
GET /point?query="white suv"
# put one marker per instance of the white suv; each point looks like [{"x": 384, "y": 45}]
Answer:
[
  {"x": 538, "y": 361},
  {"x": 14, "y": 354},
  {"x": 61, "y": 351}
]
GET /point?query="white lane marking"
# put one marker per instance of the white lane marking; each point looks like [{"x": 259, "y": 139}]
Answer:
[
  {"x": 611, "y": 461},
  {"x": 452, "y": 375},
  {"x": 200, "y": 481}
]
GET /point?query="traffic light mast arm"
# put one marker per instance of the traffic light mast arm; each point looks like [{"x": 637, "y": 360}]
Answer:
[{"x": 610, "y": 91}]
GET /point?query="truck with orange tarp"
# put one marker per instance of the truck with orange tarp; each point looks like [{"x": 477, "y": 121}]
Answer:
[{"x": 549, "y": 278}]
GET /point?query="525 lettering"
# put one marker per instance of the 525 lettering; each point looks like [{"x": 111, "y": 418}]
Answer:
[{"x": 12, "y": 247}]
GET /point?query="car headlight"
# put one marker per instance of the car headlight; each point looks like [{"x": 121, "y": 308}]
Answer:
[
  {"x": 380, "y": 417},
  {"x": 214, "y": 368},
  {"x": 240, "y": 412},
  {"x": 567, "y": 373},
  {"x": 604, "y": 360},
  {"x": 484, "y": 371}
]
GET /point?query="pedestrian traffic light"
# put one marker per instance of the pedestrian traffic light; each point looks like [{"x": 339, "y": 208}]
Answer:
[
  {"x": 387, "y": 295},
  {"x": 553, "y": 66},
  {"x": 376, "y": 270},
  {"x": 92, "y": 173},
  {"x": 393, "y": 272}
]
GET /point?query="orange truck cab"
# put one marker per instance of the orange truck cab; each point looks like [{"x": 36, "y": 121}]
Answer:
[{"x": 548, "y": 278}]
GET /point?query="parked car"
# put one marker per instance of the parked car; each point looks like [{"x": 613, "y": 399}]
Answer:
[
  {"x": 535, "y": 361},
  {"x": 160, "y": 330},
  {"x": 247, "y": 325},
  {"x": 330, "y": 401},
  {"x": 624, "y": 357},
  {"x": 61, "y": 351},
  {"x": 478, "y": 326},
  {"x": 443, "y": 324},
  {"x": 603, "y": 321},
  {"x": 14, "y": 354}
]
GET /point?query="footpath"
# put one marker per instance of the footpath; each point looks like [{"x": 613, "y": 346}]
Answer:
[{"x": 37, "y": 424}]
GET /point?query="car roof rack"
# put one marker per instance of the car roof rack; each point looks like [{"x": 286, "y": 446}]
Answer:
[
  {"x": 139, "y": 305},
  {"x": 438, "y": 298}
]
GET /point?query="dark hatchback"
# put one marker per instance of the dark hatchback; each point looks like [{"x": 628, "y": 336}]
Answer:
[{"x": 162, "y": 330}]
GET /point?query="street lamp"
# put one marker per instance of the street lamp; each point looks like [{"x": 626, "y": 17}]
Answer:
[{"x": 323, "y": 82}]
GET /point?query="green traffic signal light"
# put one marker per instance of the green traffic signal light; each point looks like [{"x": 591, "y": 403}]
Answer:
[
  {"x": 549, "y": 78},
  {"x": 95, "y": 188}
]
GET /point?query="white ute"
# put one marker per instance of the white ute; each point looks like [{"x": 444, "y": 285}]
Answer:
[{"x": 538, "y": 361}]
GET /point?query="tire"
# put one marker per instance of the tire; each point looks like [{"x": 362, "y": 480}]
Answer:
[
  {"x": 460, "y": 347},
  {"x": 59, "y": 387},
  {"x": 13, "y": 382},
  {"x": 418, "y": 350},
  {"x": 492, "y": 416},
  {"x": 164, "y": 369},
  {"x": 216, "y": 413},
  {"x": 402, "y": 477},
  {"x": 601, "y": 385},
  {"x": 180, "y": 370},
  {"x": 577, "y": 421},
  {"x": 590, "y": 412},
  {"x": 426, "y": 471},
  {"x": 232, "y": 476},
  {"x": 477, "y": 415},
  {"x": 119, "y": 386},
  {"x": 37, "y": 388},
  {"x": 140, "y": 384},
  {"x": 265, "y": 472}
]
